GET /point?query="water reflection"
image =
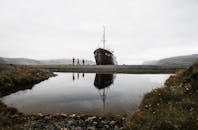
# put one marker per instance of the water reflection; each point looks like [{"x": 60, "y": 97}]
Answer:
[
  {"x": 73, "y": 77},
  {"x": 78, "y": 76},
  {"x": 102, "y": 82},
  {"x": 90, "y": 93}
]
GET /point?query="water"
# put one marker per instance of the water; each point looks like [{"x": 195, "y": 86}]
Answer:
[{"x": 86, "y": 93}]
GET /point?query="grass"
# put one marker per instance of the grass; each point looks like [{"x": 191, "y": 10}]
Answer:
[
  {"x": 172, "y": 107},
  {"x": 21, "y": 78},
  {"x": 12, "y": 79}
]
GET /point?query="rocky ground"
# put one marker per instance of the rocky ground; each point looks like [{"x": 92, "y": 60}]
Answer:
[
  {"x": 73, "y": 122},
  {"x": 40, "y": 121},
  {"x": 10, "y": 118}
]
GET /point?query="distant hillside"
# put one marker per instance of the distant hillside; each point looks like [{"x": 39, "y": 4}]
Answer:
[
  {"x": 25, "y": 61},
  {"x": 63, "y": 61},
  {"x": 20, "y": 61},
  {"x": 152, "y": 62},
  {"x": 178, "y": 60}
]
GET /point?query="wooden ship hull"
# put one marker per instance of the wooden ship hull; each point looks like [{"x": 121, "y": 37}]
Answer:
[{"x": 104, "y": 57}]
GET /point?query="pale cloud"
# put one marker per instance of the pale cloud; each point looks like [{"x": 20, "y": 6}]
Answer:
[{"x": 137, "y": 30}]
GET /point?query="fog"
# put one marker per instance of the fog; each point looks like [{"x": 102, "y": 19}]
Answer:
[{"x": 137, "y": 30}]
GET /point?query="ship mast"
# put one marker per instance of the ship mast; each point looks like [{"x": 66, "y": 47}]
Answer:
[
  {"x": 103, "y": 38},
  {"x": 103, "y": 96}
]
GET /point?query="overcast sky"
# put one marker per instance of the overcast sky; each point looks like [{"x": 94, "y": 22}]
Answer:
[{"x": 137, "y": 30}]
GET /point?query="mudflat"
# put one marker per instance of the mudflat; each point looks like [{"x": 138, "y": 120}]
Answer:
[{"x": 128, "y": 69}]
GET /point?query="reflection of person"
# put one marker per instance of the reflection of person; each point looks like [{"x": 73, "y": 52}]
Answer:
[
  {"x": 83, "y": 61},
  {"x": 73, "y": 77},
  {"x": 78, "y": 75}
]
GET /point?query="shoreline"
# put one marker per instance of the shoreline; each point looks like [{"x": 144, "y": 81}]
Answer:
[
  {"x": 12, "y": 76},
  {"x": 108, "y": 69},
  {"x": 178, "y": 93}
]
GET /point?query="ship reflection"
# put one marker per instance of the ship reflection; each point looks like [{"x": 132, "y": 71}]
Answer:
[{"x": 103, "y": 82}]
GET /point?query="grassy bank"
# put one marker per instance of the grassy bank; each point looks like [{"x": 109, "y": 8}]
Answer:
[
  {"x": 12, "y": 79},
  {"x": 172, "y": 107}
]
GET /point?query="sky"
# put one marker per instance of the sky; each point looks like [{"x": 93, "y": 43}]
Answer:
[{"x": 136, "y": 30}]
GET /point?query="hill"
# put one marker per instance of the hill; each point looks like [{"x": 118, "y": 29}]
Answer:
[
  {"x": 178, "y": 60},
  {"x": 26, "y": 61}
]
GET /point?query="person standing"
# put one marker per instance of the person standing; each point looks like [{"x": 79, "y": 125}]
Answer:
[
  {"x": 78, "y": 63},
  {"x": 83, "y": 61},
  {"x": 73, "y": 61}
]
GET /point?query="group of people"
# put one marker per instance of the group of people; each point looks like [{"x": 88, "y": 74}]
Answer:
[{"x": 77, "y": 61}]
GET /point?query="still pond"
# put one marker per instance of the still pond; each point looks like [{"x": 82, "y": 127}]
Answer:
[{"x": 86, "y": 93}]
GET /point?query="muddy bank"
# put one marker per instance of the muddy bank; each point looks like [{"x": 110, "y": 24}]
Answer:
[
  {"x": 172, "y": 107},
  {"x": 127, "y": 69}
]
